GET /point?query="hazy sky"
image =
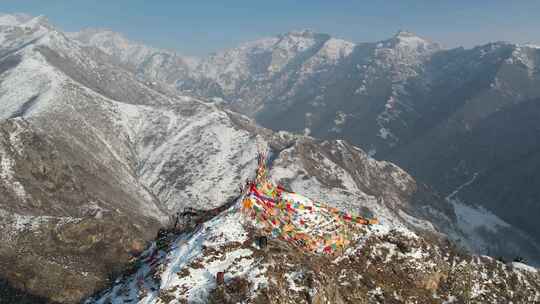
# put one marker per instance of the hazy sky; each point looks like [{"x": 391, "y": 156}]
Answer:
[{"x": 200, "y": 27}]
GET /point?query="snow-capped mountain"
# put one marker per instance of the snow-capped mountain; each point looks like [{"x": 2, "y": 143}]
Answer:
[
  {"x": 248, "y": 74},
  {"x": 149, "y": 63},
  {"x": 115, "y": 45},
  {"x": 313, "y": 77},
  {"x": 446, "y": 115},
  {"x": 93, "y": 160},
  {"x": 96, "y": 152},
  {"x": 14, "y": 19},
  {"x": 84, "y": 181}
]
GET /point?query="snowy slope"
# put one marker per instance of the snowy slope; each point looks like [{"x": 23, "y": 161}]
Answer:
[
  {"x": 371, "y": 268},
  {"x": 13, "y": 19},
  {"x": 191, "y": 249},
  {"x": 234, "y": 73},
  {"x": 114, "y": 44},
  {"x": 118, "y": 46},
  {"x": 344, "y": 177},
  {"x": 190, "y": 153},
  {"x": 75, "y": 167},
  {"x": 98, "y": 158},
  {"x": 149, "y": 63},
  {"x": 94, "y": 156},
  {"x": 52, "y": 76}
]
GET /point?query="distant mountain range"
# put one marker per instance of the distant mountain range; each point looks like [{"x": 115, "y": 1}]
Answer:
[
  {"x": 449, "y": 116},
  {"x": 101, "y": 139}
]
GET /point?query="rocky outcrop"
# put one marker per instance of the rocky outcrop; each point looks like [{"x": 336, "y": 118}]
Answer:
[{"x": 65, "y": 229}]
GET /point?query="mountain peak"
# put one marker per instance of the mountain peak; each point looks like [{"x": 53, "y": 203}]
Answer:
[
  {"x": 24, "y": 20},
  {"x": 408, "y": 36},
  {"x": 409, "y": 40},
  {"x": 40, "y": 20},
  {"x": 301, "y": 33},
  {"x": 114, "y": 44},
  {"x": 405, "y": 34},
  {"x": 87, "y": 34},
  {"x": 14, "y": 19},
  {"x": 304, "y": 34},
  {"x": 304, "y": 37}
]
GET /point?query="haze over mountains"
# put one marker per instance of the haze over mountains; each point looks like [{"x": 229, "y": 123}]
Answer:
[{"x": 102, "y": 139}]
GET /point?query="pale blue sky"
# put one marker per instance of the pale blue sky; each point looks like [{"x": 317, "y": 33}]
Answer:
[{"x": 200, "y": 27}]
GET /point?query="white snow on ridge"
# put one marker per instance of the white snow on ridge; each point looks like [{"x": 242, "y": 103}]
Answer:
[
  {"x": 330, "y": 53},
  {"x": 296, "y": 40},
  {"x": 14, "y": 19},
  {"x": 114, "y": 44},
  {"x": 187, "y": 273},
  {"x": 35, "y": 79},
  {"x": 214, "y": 153},
  {"x": 412, "y": 42},
  {"x": 230, "y": 66},
  {"x": 348, "y": 197},
  {"x": 521, "y": 54},
  {"x": 523, "y": 267},
  {"x": 221, "y": 231},
  {"x": 337, "y": 48}
]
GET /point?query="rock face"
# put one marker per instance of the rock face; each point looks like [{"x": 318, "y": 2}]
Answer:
[{"x": 446, "y": 116}]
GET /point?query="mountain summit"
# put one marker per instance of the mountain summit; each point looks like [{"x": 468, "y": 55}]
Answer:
[
  {"x": 413, "y": 41},
  {"x": 270, "y": 245},
  {"x": 14, "y": 19}
]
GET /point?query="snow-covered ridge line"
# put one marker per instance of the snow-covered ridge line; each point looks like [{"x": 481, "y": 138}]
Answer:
[
  {"x": 223, "y": 254},
  {"x": 186, "y": 267}
]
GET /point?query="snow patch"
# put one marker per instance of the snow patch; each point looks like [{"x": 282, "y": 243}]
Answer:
[{"x": 523, "y": 267}]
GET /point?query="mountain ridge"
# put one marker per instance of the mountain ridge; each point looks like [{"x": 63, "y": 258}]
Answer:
[
  {"x": 94, "y": 160},
  {"x": 225, "y": 260},
  {"x": 94, "y": 157},
  {"x": 393, "y": 98}
]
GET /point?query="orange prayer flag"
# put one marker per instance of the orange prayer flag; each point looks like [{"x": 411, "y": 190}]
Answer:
[{"x": 362, "y": 221}]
